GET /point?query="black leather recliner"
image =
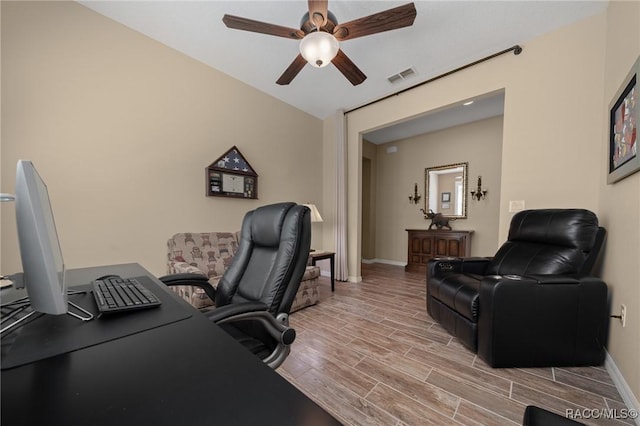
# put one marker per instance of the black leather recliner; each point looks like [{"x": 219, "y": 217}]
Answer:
[
  {"x": 254, "y": 296},
  {"x": 534, "y": 303}
]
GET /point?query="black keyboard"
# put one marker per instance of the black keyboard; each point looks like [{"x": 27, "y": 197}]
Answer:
[{"x": 116, "y": 294}]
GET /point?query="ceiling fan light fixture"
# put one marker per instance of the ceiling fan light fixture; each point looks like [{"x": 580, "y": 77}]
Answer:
[{"x": 319, "y": 48}]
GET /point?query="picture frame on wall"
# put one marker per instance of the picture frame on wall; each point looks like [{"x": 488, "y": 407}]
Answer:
[
  {"x": 446, "y": 197},
  {"x": 624, "y": 115},
  {"x": 232, "y": 176}
]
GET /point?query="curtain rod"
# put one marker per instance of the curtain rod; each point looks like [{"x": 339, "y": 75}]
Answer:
[{"x": 515, "y": 49}]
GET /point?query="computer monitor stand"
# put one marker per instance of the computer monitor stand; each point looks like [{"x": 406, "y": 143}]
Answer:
[{"x": 22, "y": 304}]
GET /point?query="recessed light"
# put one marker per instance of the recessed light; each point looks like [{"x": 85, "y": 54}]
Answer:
[{"x": 467, "y": 103}]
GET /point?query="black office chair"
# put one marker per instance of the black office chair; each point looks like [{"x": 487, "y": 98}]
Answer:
[
  {"x": 254, "y": 296},
  {"x": 533, "y": 304}
]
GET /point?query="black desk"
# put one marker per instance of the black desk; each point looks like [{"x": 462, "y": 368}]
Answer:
[{"x": 186, "y": 372}]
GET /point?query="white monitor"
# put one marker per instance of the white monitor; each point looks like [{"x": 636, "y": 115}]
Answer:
[{"x": 42, "y": 264}]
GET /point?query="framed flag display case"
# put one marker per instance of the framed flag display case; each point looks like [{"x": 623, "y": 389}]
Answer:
[{"x": 231, "y": 175}]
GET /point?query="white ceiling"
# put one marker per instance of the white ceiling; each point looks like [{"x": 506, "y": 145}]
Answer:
[{"x": 444, "y": 36}]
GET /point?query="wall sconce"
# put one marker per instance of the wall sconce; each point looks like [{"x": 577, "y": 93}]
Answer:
[
  {"x": 415, "y": 197},
  {"x": 479, "y": 193}
]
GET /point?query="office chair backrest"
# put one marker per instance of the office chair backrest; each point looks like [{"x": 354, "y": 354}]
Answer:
[
  {"x": 271, "y": 258},
  {"x": 550, "y": 241}
]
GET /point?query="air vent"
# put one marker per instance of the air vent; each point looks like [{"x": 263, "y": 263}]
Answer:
[{"x": 402, "y": 75}]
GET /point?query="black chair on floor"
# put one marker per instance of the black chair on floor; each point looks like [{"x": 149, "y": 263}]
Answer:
[
  {"x": 535, "y": 303},
  {"x": 536, "y": 416},
  {"x": 254, "y": 296}
]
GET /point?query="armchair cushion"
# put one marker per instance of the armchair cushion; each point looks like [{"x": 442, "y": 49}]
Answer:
[
  {"x": 308, "y": 292},
  {"x": 205, "y": 253}
]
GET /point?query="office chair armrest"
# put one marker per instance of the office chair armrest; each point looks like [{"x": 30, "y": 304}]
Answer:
[
  {"x": 192, "y": 279},
  {"x": 254, "y": 311},
  {"x": 228, "y": 311}
]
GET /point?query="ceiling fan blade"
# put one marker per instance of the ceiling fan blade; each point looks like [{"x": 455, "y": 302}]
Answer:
[
  {"x": 391, "y": 19},
  {"x": 245, "y": 24},
  {"x": 348, "y": 68},
  {"x": 290, "y": 73},
  {"x": 318, "y": 12}
]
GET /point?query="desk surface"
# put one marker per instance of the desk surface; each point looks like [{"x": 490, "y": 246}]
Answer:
[{"x": 186, "y": 372}]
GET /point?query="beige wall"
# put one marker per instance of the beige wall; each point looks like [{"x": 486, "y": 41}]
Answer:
[
  {"x": 122, "y": 127},
  {"x": 110, "y": 116},
  {"x": 552, "y": 113},
  {"x": 554, "y": 144},
  {"x": 369, "y": 199},
  {"x": 620, "y": 203},
  {"x": 479, "y": 144},
  {"x": 329, "y": 182}
]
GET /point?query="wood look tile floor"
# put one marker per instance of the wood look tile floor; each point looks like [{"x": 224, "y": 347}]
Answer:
[{"x": 371, "y": 355}]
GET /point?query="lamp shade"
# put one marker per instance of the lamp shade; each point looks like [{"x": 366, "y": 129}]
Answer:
[
  {"x": 319, "y": 48},
  {"x": 315, "y": 214}
]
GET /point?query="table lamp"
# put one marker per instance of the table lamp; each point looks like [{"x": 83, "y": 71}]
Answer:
[{"x": 315, "y": 215}]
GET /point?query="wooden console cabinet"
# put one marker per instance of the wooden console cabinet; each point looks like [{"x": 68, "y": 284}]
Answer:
[{"x": 425, "y": 244}]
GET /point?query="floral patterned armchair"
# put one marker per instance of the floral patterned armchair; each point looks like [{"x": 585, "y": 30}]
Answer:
[{"x": 210, "y": 253}]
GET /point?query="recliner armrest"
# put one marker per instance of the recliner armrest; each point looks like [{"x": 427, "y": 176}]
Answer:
[
  {"x": 438, "y": 265},
  {"x": 551, "y": 279},
  {"x": 467, "y": 265},
  {"x": 192, "y": 279},
  {"x": 475, "y": 265},
  {"x": 521, "y": 317}
]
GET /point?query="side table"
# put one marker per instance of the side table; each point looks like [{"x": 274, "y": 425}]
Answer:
[{"x": 314, "y": 256}]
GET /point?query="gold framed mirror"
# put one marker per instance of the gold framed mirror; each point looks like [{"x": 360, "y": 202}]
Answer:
[{"x": 445, "y": 189}]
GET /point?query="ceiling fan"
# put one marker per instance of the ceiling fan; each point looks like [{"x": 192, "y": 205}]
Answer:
[{"x": 320, "y": 34}]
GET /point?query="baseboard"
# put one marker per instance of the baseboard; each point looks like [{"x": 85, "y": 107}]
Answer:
[
  {"x": 385, "y": 261},
  {"x": 626, "y": 393}
]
